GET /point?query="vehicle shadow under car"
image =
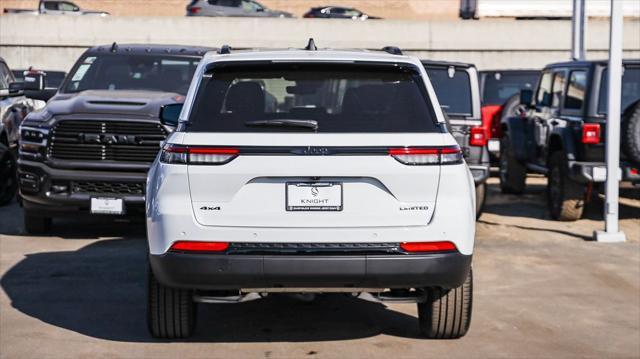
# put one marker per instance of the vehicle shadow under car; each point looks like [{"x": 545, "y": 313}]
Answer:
[{"x": 99, "y": 291}]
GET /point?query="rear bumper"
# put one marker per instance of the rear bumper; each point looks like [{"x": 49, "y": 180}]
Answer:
[
  {"x": 585, "y": 172},
  {"x": 480, "y": 173},
  {"x": 224, "y": 271},
  {"x": 41, "y": 188}
]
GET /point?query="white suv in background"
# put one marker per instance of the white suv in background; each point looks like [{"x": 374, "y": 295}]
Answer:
[{"x": 310, "y": 171}]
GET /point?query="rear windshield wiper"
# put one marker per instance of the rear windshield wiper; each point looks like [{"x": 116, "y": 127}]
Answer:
[{"x": 312, "y": 124}]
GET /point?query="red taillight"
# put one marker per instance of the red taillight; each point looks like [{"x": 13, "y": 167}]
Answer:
[
  {"x": 414, "y": 247},
  {"x": 194, "y": 10},
  {"x": 177, "y": 154},
  {"x": 194, "y": 246},
  {"x": 591, "y": 133},
  {"x": 427, "y": 156},
  {"x": 491, "y": 120},
  {"x": 634, "y": 171},
  {"x": 478, "y": 137}
]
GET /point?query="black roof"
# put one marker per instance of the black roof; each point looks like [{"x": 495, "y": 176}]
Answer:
[
  {"x": 512, "y": 71},
  {"x": 584, "y": 63},
  {"x": 447, "y": 63},
  {"x": 153, "y": 49}
]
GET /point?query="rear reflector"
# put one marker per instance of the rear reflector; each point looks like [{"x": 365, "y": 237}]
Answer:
[
  {"x": 591, "y": 133},
  {"x": 478, "y": 137},
  {"x": 427, "y": 156},
  {"x": 176, "y": 154},
  {"x": 194, "y": 246},
  {"x": 415, "y": 247}
]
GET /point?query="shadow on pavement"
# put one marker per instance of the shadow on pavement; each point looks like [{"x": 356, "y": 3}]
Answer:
[
  {"x": 533, "y": 203},
  {"x": 99, "y": 291}
]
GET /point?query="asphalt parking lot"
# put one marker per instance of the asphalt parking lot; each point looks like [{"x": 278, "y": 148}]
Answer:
[{"x": 542, "y": 289}]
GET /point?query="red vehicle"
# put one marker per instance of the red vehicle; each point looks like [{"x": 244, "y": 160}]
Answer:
[{"x": 499, "y": 91}]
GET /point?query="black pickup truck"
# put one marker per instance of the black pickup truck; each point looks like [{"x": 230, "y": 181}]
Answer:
[
  {"x": 456, "y": 85},
  {"x": 89, "y": 149},
  {"x": 562, "y": 130}
]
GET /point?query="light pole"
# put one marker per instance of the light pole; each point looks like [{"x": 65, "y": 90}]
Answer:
[
  {"x": 578, "y": 30},
  {"x": 612, "y": 232}
]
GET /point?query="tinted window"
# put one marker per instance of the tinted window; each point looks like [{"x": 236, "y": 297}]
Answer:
[
  {"x": 558, "y": 89},
  {"x": 229, "y": 3},
  {"x": 454, "y": 92},
  {"x": 132, "y": 72},
  {"x": 50, "y": 5},
  {"x": 499, "y": 86},
  {"x": 576, "y": 90},
  {"x": 54, "y": 79},
  {"x": 630, "y": 89},
  {"x": 65, "y": 6},
  {"x": 543, "y": 97},
  {"x": 341, "y": 98}
]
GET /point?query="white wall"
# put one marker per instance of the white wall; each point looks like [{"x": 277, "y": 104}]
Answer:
[{"x": 54, "y": 42}]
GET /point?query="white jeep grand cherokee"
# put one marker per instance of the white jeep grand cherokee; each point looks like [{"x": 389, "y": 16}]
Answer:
[{"x": 310, "y": 171}]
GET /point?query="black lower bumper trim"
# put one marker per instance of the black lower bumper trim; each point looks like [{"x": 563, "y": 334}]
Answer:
[{"x": 223, "y": 271}]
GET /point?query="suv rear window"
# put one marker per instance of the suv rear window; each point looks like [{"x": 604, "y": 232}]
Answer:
[
  {"x": 453, "y": 89},
  {"x": 339, "y": 98},
  {"x": 630, "y": 89},
  {"x": 500, "y": 86}
]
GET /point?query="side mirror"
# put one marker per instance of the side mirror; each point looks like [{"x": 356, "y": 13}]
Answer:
[
  {"x": 16, "y": 89},
  {"x": 34, "y": 81},
  {"x": 526, "y": 97},
  {"x": 169, "y": 114}
]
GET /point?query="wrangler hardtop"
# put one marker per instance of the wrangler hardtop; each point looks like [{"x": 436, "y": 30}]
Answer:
[{"x": 562, "y": 134}]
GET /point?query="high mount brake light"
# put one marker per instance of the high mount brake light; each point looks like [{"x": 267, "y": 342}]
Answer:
[
  {"x": 195, "y": 246},
  {"x": 427, "y": 156},
  {"x": 591, "y": 133},
  {"x": 177, "y": 154},
  {"x": 415, "y": 247}
]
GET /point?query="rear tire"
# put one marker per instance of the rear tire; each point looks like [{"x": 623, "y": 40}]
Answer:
[
  {"x": 447, "y": 312},
  {"x": 481, "y": 197},
  {"x": 565, "y": 198},
  {"x": 513, "y": 174},
  {"x": 34, "y": 224},
  {"x": 171, "y": 312},
  {"x": 630, "y": 135}
]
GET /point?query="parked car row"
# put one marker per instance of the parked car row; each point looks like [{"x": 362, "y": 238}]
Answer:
[
  {"x": 213, "y": 8},
  {"x": 252, "y": 8},
  {"x": 55, "y": 7}
]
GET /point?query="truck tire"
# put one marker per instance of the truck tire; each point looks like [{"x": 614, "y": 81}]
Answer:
[
  {"x": 171, "y": 312},
  {"x": 630, "y": 135},
  {"x": 446, "y": 314},
  {"x": 565, "y": 197},
  {"x": 35, "y": 224},
  {"x": 481, "y": 197},
  {"x": 8, "y": 179},
  {"x": 513, "y": 174}
]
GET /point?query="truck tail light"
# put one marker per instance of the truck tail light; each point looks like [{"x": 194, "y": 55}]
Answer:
[
  {"x": 478, "y": 137},
  {"x": 197, "y": 246},
  {"x": 422, "y": 247},
  {"x": 198, "y": 155},
  {"x": 427, "y": 156},
  {"x": 591, "y": 133},
  {"x": 194, "y": 10}
]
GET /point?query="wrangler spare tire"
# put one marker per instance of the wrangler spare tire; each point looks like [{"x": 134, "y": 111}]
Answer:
[{"x": 630, "y": 136}]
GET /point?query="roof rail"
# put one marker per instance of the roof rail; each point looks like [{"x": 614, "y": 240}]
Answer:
[
  {"x": 225, "y": 49},
  {"x": 393, "y": 50},
  {"x": 311, "y": 45}
]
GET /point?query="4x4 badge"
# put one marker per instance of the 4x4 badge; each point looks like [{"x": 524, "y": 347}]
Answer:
[{"x": 207, "y": 208}]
